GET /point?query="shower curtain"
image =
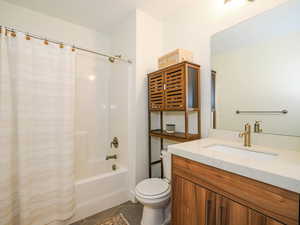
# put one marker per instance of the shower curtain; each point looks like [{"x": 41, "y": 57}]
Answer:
[{"x": 36, "y": 131}]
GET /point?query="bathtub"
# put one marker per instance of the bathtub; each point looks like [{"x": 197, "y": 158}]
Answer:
[{"x": 101, "y": 192}]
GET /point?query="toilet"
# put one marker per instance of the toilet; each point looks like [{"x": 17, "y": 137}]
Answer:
[{"x": 155, "y": 195}]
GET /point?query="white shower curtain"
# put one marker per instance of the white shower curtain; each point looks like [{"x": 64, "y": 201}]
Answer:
[{"x": 36, "y": 132}]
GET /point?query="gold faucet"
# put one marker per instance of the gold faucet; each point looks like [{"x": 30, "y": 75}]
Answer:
[{"x": 247, "y": 135}]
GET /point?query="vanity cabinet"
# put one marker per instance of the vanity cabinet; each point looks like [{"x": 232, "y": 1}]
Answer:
[{"x": 204, "y": 195}]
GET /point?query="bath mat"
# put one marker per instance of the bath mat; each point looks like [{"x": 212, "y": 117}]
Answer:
[{"x": 115, "y": 220}]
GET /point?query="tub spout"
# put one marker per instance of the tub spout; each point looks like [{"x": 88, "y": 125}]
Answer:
[{"x": 111, "y": 157}]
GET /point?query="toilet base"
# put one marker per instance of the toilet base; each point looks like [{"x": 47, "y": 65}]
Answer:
[{"x": 152, "y": 216}]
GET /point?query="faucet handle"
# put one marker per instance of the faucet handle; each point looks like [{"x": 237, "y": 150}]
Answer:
[
  {"x": 257, "y": 126},
  {"x": 115, "y": 143},
  {"x": 242, "y": 134}
]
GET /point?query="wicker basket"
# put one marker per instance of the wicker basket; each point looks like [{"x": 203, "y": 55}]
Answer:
[{"x": 177, "y": 56}]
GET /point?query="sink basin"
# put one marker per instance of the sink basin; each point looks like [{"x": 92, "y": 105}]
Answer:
[{"x": 234, "y": 151}]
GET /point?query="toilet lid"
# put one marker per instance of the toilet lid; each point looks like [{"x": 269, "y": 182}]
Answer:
[{"x": 153, "y": 186}]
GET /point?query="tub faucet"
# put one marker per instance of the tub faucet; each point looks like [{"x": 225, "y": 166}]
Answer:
[{"x": 111, "y": 157}]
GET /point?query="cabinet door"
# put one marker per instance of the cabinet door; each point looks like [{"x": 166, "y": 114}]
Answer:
[
  {"x": 156, "y": 91},
  {"x": 272, "y": 222},
  {"x": 175, "y": 88},
  {"x": 256, "y": 218},
  {"x": 184, "y": 205},
  {"x": 206, "y": 206},
  {"x": 230, "y": 212}
]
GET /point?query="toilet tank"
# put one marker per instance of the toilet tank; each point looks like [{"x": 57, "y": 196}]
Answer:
[{"x": 166, "y": 158}]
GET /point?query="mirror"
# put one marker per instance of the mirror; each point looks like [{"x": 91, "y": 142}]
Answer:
[{"x": 255, "y": 73}]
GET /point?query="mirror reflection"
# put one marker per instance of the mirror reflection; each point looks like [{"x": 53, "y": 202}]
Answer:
[{"x": 255, "y": 73}]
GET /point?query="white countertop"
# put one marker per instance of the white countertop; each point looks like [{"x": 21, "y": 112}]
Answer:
[{"x": 282, "y": 171}]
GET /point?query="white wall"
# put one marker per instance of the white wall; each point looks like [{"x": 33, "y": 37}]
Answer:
[
  {"x": 149, "y": 48},
  {"x": 139, "y": 37},
  {"x": 192, "y": 27}
]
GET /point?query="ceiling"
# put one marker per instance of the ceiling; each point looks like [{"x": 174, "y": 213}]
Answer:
[{"x": 100, "y": 15}]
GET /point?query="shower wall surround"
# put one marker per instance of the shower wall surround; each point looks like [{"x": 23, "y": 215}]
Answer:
[{"x": 92, "y": 122}]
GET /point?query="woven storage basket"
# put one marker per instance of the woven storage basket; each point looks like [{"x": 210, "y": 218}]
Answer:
[{"x": 177, "y": 56}]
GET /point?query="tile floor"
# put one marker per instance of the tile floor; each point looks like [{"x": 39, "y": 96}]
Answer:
[{"x": 131, "y": 211}]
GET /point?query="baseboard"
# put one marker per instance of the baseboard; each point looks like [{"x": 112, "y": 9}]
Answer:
[{"x": 99, "y": 204}]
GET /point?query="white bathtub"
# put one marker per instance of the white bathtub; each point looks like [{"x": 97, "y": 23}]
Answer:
[{"x": 101, "y": 192}]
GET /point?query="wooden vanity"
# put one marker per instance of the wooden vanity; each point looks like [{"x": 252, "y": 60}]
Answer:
[{"x": 205, "y": 195}]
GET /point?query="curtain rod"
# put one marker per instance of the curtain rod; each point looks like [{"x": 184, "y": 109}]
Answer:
[{"x": 111, "y": 58}]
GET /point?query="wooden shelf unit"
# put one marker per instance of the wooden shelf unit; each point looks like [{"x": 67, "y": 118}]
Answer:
[
  {"x": 174, "y": 88},
  {"x": 177, "y": 136}
]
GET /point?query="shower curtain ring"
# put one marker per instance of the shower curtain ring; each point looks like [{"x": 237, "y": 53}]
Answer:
[
  {"x": 27, "y": 37},
  {"x": 13, "y": 33}
]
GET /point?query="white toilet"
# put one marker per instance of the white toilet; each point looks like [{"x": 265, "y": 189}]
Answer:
[{"x": 155, "y": 194}]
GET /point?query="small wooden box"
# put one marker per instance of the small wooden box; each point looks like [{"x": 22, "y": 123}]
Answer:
[{"x": 177, "y": 56}]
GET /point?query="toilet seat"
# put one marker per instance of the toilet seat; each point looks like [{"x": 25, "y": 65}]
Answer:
[{"x": 153, "y": 188}]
